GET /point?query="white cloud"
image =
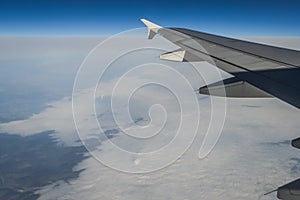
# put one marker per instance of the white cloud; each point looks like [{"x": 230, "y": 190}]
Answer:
[{"x": 244, "y": 164}]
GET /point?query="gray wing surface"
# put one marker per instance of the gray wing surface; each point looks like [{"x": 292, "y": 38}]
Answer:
[{"x": 260, "y": 70}]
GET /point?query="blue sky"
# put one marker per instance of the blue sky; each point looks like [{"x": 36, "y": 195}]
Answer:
[{"x": 231, "y": 17}]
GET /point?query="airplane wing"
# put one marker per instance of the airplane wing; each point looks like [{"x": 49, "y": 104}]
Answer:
[{"x": 259, "y": 70}]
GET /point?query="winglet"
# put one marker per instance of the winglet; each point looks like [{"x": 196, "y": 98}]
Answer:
[{"x": 152, "y": 28}]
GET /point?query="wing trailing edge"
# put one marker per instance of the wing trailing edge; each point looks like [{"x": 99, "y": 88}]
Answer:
[{"x": 233, "y": 87}]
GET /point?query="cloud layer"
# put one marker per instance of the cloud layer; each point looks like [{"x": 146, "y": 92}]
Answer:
[{"x": 250, "y": 158}]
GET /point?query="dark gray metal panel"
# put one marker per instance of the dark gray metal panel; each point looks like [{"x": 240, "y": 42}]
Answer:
[
  {"x": 281, "y": 83},
  {"x": 290, "y": 191},
  {"x": 296, "y": 143}
]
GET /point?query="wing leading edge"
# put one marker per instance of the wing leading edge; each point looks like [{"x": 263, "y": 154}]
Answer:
[{"x": 259, "y": 70}]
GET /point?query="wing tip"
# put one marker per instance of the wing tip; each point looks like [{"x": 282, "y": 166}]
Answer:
[
  {"x": 150, "y": 24},
  {"x": 152, "y": 28}
]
